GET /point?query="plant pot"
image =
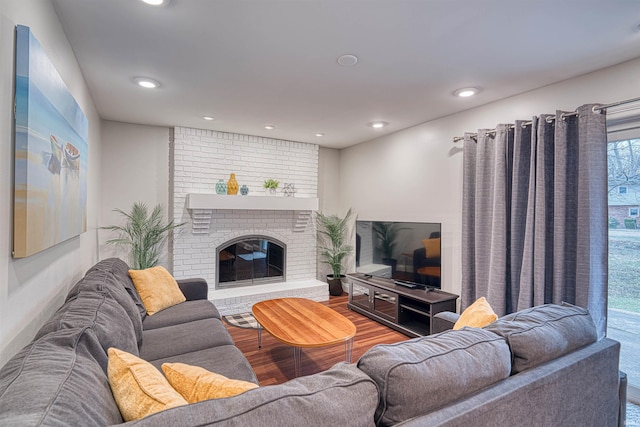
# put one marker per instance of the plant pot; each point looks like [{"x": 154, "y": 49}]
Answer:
[{"x": 335, "y": 285}]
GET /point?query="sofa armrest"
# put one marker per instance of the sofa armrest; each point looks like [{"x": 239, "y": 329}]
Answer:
[
  {"x": 194, "y": 289},
  {"x": 444, "y": 321}
]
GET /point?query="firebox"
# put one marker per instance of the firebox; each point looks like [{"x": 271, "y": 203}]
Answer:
[{"x": 250, "y": 260}]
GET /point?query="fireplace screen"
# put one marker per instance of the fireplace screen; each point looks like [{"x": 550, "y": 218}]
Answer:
[{"x": 250, "y": 261}]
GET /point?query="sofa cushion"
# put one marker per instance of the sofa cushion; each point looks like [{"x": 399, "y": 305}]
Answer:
[
  {"x": 104, "y": 279},
  {"x": 183, "y": 338},
  {"x": 120, "y": 271},
  {"x": 420, "y": 375},
  {"x": 58, "y": 379},
  {"x": 138, "y": 387},
  {"x": 97, "y": 310},
  {"x": 157, "y": 288},
  {"x": 545, "y": 332},
  {"x": 225, "y": 360},
  {"x": 340, "y": 396},
  {"x": 185, "y": 312},
  {"x": 196, "y": 384},
  {"x": 477, "y": 315}
]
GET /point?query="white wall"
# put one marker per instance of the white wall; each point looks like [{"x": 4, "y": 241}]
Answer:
[
  {"x": 331, "y": 203},
  {"x": 135, "y": 161},
  {"x": 416, "y": 174},
  {"x": 329, "y": 181},
  {"x": 32, "y": 288}
]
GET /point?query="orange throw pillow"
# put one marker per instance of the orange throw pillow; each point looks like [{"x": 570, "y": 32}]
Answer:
[
  {"x": 138, "y": 387},
  {"x": 157, "y": 288},
  {"x": 196, "y": 384},
  {"x": 477, "y": 315}
]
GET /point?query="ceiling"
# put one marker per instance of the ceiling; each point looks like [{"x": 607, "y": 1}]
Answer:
[{"x": 250, "y": 63}]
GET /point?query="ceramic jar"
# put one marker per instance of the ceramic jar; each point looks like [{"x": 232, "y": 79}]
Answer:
[
  {"x": 221, "y": 187},
  {"x": 244, "y": 190},
  {"x": 232, "y": 185}
]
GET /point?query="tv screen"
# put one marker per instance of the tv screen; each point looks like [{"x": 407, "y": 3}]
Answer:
[{"x": 408, "y": 251}]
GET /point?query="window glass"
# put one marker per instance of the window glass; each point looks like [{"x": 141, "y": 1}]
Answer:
[{"x": 623, "y": 322}]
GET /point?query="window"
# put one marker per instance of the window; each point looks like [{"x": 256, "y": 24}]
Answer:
[{"x": 623, "y": 317}]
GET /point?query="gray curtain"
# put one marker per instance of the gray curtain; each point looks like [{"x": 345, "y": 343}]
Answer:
[{"x": 534, "y": 226}]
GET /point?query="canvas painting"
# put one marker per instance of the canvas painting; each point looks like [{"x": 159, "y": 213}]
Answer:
[{"x": 51, "y": 133}]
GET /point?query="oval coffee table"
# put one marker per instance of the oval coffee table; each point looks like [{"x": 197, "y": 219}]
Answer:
[{"x": 301, "y": 322}]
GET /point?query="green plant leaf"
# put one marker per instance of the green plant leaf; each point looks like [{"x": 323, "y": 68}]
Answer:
[
  {"x": 143, "y": 233},
  {"x": 332, "y": 231}
]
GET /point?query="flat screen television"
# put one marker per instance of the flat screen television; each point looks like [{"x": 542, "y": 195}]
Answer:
[{"x": 404, "y": 251}]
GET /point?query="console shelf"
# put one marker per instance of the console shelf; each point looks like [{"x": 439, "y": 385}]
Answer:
[
  {"x": 413, "y": 307},
  {"x": 407, "y": 310}
]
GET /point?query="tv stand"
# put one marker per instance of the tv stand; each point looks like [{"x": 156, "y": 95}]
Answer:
[{"x": 405, "y": 309}]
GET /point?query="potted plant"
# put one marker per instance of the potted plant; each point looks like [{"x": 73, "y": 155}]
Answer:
[
  {"x": 387, "y": 233},
  {"x": 333, "y": 247},
  {"x": 144, "y": 233},
  {"x": 271, "y": 185}
]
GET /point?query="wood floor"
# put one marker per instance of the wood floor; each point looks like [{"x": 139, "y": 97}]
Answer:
[{"x": 273, "y": 363}]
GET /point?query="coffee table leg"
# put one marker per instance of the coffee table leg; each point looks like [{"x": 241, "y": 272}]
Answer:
[
  {"x": 259, "y": 337},
  {"x": 348, "y": 346},
  {"x": 296, "y": 360}
]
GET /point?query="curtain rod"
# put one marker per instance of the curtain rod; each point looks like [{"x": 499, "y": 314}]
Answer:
[{"x": 595, "y": 109}]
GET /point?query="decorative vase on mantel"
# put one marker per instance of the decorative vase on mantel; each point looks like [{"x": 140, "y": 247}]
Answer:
[
  {"x": 232, "y": 185},
  {"x": 221, "y": 187},
  {"x": 244, "y": 190}
]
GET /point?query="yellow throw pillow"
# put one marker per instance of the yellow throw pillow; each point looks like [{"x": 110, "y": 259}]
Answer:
[
  {"x": 196, "y": 384},
  {"x": 157, "y": 288},
  {"x": 139, "y": 387},
  {"x": 432, "y": 247},
  {"x": 477, "y": 315}
]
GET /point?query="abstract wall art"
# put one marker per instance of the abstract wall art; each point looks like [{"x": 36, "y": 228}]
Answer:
[{"x": 51, "y": 143}]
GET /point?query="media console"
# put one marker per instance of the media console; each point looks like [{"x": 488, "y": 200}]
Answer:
[{"x": 403, "y": 308}]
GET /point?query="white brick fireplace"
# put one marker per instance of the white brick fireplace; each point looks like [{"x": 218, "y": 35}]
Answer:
[{"x": 198, "y": 159}]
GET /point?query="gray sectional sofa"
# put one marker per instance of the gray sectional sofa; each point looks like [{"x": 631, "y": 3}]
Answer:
[{"x": 542, "y": 366}]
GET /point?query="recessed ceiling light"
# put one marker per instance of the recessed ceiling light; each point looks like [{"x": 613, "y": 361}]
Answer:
[
  {"x": 146, "y": 82},
  {"x": 319, "y": 134},
  {"x": 157, "y": 2},
  {"x": 347, "y": 60},
  {"x": 378, "y": 125},
  {"x": 269, "y": 127},
  {"x": 466, "y": 92},
  {"x": 208, "y": 118}
]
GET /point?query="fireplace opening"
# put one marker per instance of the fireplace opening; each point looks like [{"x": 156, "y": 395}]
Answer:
[{"x": 251, "y": 260}]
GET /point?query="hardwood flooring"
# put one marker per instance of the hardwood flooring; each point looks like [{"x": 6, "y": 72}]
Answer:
[{"x": 273, "y": 363}]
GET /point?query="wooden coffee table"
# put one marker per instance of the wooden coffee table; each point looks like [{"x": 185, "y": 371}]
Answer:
[{"x": 300, "y": 322}]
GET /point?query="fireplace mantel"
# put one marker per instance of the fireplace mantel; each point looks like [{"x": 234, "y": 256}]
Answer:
[
  {"x": 209, "y": 201},
  {"x": 201, "y": 206}
]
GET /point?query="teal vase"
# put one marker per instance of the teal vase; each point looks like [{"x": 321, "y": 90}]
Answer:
[{"x": 221, "y": 187}]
